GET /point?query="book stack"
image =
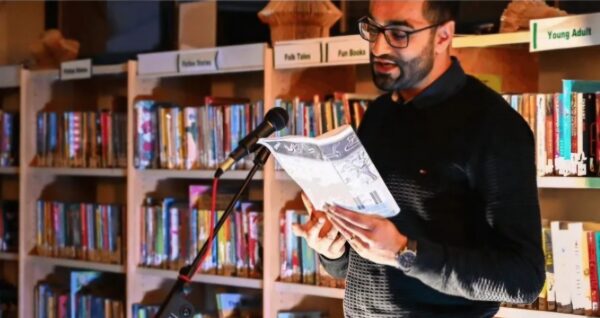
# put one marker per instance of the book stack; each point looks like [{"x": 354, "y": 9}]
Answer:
[
  {"x": 313, "y": 118},
  {"x": 299, "y": 263},
  {"x": 168, "y": 136},
  {"x": 84, "y": 231},
  {"x": 81, "y": 139},
  {"x": 572, "y": 251},
  {"x": 565, "y": 126},
  {"x": 88, "y": 294},
  {"x": 9, "y": 226},
  {"x": 173, "y": 232},
  {"x": 9, "y": 137},
  {"x": 8, "y": 299}
]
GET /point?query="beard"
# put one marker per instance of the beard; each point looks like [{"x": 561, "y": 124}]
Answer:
[{"x": 412, "y": 71}]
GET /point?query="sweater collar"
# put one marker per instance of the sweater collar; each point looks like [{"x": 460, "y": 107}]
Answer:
[{"x": 450, "y": 82}]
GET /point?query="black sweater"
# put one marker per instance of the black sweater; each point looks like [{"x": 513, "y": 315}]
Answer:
[{"x": 460, "y": 163}]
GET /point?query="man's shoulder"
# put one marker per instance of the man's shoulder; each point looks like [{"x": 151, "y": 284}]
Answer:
[{"x": 494, "y": 109}]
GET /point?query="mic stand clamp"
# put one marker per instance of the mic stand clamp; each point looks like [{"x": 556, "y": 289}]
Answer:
[{"x": 178, "y": 303}]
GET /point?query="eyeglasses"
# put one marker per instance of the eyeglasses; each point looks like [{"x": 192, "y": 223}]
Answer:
[{"x": 395, "y": 37}]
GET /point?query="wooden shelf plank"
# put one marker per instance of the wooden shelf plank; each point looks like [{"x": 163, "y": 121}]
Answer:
[
  {"x": 9, "y": 170},
  {"x": 568, "y": 183},
  {"x": 310, "y": 290},
  {"x": 227, "y": 59},
  {"x": 526, "y": 313},
  {"x": 83, "y": 172},
  {"x": 206, "y": 279},
  {"x": 114, "y": 69},
  {"x": 9, "y": 76},
  {"x": 198, "y": 174},
  {"x": 491, "y": 40},
  {"x": 9, "y": 256},
  {"x": 114, "y": 268}
]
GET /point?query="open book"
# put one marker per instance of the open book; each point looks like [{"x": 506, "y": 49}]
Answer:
[{"x": 334, "y": 168}]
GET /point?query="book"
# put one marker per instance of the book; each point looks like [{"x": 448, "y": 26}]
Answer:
[{"x": 334, "y": 168}]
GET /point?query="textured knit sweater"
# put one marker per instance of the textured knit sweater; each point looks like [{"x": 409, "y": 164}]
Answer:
[{"x": 460, "y": 164}]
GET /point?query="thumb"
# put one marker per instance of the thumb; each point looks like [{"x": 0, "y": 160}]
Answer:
[
  {"x": 298, "y": 230},
  {"x": 307, "y": 204}
]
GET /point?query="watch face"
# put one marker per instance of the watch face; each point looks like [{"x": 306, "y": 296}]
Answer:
[{"x": 406, "y": 259}]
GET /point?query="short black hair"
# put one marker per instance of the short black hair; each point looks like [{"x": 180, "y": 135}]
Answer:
[{"x": 440, "y": 11}]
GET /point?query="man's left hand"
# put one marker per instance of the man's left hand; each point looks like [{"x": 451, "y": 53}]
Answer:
[{"x": 372, "y": 237}]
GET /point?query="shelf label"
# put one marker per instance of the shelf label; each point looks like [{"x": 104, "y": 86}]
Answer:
[
  {"x": 564, "y": 32},
  {"x": 297, "y": 54},
  {"x": 78, "y": 69},
  {"x": 198, "y": 62},
  {"x": 351, "y": 49}
]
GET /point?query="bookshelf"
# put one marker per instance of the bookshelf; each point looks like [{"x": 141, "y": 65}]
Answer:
[
  {"x": 9, "y": 175},
  {"x": 240, "y": 71},
  {"x": 158, "y": 76},
  {"x": 44, "y": 90},
  {"x": 78, "y": 264}
]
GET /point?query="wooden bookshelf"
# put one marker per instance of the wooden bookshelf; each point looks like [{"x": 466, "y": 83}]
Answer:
[
  {"x": 491, "y": 40},
  {"x": 204, "y": 278},
  {"x": 309, "y": 290},
  {"x": 82, "y": 172},
  {"x": 6, "y": 256},
  {"x": 198, "y": 174},
  {"x": 9, "y": 170},
  {"x": 560, "y": 197},
  {"x": 45, "y": 91},
  {"x": 74, "y": 263}
]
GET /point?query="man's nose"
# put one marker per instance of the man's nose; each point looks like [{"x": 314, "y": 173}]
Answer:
[{"x": 380, "y": 46}]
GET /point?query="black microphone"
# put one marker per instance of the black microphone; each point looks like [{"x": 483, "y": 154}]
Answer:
[{"x": 275, "y": 119}]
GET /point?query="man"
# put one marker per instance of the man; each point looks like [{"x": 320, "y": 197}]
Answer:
[{"x": 460, "y": 164}]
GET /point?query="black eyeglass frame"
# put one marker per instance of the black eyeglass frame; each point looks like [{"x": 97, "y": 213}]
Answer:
[{"x": 383, "y": 29}]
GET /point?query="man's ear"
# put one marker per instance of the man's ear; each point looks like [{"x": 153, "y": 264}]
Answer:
[{"x": 444, "y": 35}]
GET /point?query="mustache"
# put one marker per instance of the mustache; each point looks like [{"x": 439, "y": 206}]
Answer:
[{"x": 385, "y": 57}]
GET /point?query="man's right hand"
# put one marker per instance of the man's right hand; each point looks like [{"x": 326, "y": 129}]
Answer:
[{"x": 320, "y": 234}]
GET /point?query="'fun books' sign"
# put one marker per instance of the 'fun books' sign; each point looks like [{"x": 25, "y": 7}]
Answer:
[{"x": 564, "y": 32}]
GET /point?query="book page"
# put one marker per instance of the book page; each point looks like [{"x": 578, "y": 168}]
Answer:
[{"x": 334, "y": 169}]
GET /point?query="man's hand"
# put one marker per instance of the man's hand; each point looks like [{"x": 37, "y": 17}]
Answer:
[
  {"x": 372, "y": 237},
  {"x": 319, "y": 234}
]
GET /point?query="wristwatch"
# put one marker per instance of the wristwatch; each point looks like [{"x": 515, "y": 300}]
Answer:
[{"x": 406, "y": 257}]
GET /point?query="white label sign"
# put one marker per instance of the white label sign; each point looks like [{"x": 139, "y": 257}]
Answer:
[
  {"x": 351, "y": 49},
  {"x": 78, "y": 69},
  {"x": 564, "y": 32},
  {"x": 297, "y": 54},
  {"x": 198, "y": 62}
]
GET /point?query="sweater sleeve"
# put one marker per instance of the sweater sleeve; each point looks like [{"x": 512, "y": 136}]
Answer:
[
  {"x": 511, "y": 267},
  {"x": 336, "y": 267}
]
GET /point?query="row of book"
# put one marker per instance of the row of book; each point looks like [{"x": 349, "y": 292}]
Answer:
[
  {"x": 315, "y": 117},
  {"x": 168, "y": 136},
  {"x": 82, "y": 139},
  {"x": 85, "y": 231},
  {"x": 566, "y": 131},
  {"x": 88, "y": 294},
  {"x": 172, "y": 233},
  {"x": 572, "y": 253},
  {"x": 299, "y": 263},
  {"x": 9, "y": 226},
  {"x": 9, "y": 137}
]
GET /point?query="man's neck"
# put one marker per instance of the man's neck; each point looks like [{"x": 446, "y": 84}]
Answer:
[{"x": 440, "y": 66}]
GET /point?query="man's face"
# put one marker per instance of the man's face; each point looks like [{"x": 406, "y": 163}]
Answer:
[{"x": 401, "y": 68}]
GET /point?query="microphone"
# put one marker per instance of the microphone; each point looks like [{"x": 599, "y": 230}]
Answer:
[{"x": 275, "y": 119}]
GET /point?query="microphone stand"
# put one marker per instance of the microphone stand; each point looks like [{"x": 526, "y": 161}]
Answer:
[{"x": 177, "y": 304}]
